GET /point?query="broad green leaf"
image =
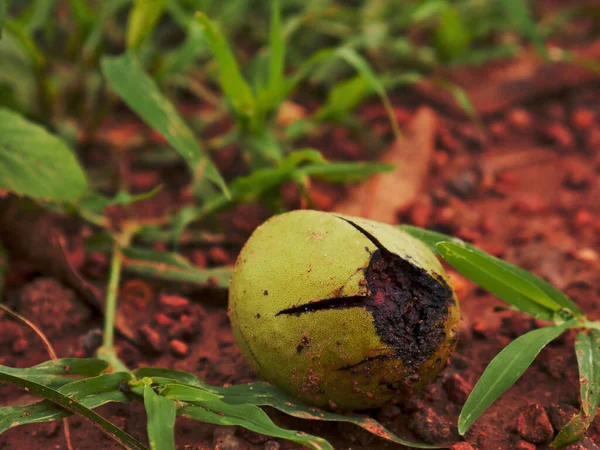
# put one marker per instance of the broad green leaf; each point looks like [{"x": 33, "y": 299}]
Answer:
[
  {"x": 35, "y": 163},
  {"x": 70, "y": 402},
  {"x": 495, "y": 277},
  {"x": 208, "y": 407},
  {"x": 161, "y": 420},
  {"x": 519, "y": 11},
  {"x": 432, "y": 238},
  {"x": 264, "y": 394},
  {"x": 232, "y": 82},
  {"x": 587, "y": 349},
  {"x": 126, "y": 76},
  {"x": 504, "y": 370},
  {"x": 172, "y": 267},
  {"x": 142, "y": 20}
]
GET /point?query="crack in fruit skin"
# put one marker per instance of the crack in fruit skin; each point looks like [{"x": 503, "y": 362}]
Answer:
[{"x": 355, "y": 318}]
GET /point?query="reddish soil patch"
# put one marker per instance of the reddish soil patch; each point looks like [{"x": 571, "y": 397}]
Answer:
[{"x": 527, "y": 192}]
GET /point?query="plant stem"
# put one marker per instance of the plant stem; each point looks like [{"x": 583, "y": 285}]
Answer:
[{"x": 111, "y": 296}]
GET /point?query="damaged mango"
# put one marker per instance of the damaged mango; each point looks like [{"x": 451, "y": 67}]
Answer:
[{"x": 341, "y": 311}]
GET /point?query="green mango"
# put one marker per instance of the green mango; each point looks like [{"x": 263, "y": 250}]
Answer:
[{"x": 341, "y": 312}]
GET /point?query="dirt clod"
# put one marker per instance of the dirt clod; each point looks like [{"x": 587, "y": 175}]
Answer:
[
  {"x": 533, "y": 424},
  {"x": 224, "y": 438},
  {"x": 457, "y": 389},
  {"x": 430, "y": 426},
  {"x": 272, "y": 445},
  {"x": 560, "y": 414},
  {"x": 462, "y": 446}
]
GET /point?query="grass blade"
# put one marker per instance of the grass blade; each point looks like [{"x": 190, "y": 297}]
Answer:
[
  {"x": 276, "y": 53},
  {"x": 142, "y": 20},
  {"x": 232, "y": 82},
  {"x": 519, "y": 11},
  {"x": 172, "y": 267},
  {"x": 59, "y": 372},
  {"x": 362, "y": 67},
  {"x": 587, "y": 349},
  {"x": 161, "y": 420},
  {"x": 2, "y": 15},
  {"x": 432, "y": 238},
  {"x": 75, "y": 406},
  {"x": 208, "y": 407},
  {"x": 264, "y": 394},
  {"x": 504, "y": 370},
  {"x": 126, "y": 76},
  {"x": 495, "y": 277}
]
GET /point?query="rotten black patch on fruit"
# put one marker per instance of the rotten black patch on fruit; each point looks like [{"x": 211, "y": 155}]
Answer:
[{"x": 409, "y": 306}]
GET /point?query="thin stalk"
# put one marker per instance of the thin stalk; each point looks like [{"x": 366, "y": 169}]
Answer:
[{"x": 111, "y": 296}]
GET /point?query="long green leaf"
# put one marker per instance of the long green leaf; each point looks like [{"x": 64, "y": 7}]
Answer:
[
  {"x": 172, "y": 267},
  {"x": 142, "y": 19},
  {"x": 587, "y": 349},
  {"x": 70, "y": 402},
  {"x": 126, "y": 76},
  {"x": 161, "y": 420},
  {"x": 362, "y": 66},
  {"x": 2, "y": 15},
  {"x": 264, "y": 394},
  {"x": 208, "y": 407},
  {"x": 59, "y": 372},
  {"x": 504, "y": 370},
  {"x": 276, "y": 52},
  {"x": 35, "y": 163},
  {"x": 232, "y": 82},
  {"x": 493, "y": 276},
  {"x": 432, "y": 238}
]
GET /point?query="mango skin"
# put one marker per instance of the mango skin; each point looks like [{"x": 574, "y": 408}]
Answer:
[{"x": 306, "y": 256}]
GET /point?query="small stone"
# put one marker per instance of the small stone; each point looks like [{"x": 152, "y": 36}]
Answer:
[
  {"x": 560, "y": 414},
  {"x": 583, "y": 218},
  {"x": 457, "y": 389},
  {"x": 524, "y": 445},
  {"x": 587, "y": 255},
  {"x": 20, "y": 346},
  {"x": 582, "y": 119},
  {"x": 462, "y": 446},
  {"x": 174, "y": 304},
  {"x": 179, "y": 348},
  {"x": 163, "y": 320},
  {"x": 218, "y": 256},
  {"x": 577, "y": 178},
  {"x": 558, "y": 134},
  {"x": 519, "y": 119},
  {"x": 480, "y": 329},
  {"x": 531, "y": 205},
  {"x": 429, "y": 426},
  {"x": 224, "y": 438},
  {"x": 583, "y": 444},
  {"x": 152, "y": 339},
  {"x": 272, "y": 445},
  {"x": 533, "y": 424},
  {"x": 464, "y": 184}
]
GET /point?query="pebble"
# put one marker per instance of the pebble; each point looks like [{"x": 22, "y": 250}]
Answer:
[
  {"x": 583, "y": 218},
  {"x": 560, "y": 414},
  {"x": 519, "y": 119},
  {"x": 457, "y": 389},
  {"x": 587, "y": 255},
  {"x": 179, "y": 348},
  {"x": 582, "y": 119},
  {"x": 533, "y": 424},
  {"x": 218, "y": 256},
  {"x": 174, "y": 304},
  {"x": 430, "y": 426},
  {"x": 272, "y": 445},
  {"x": 464, "y": 184},
  {"x": 558, "y": 134},
  {"x": 163, "y": 320},
  {"x": 524, "y": 445},
  {"x": 92, "y": 341}
]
